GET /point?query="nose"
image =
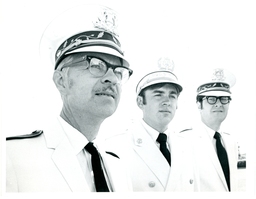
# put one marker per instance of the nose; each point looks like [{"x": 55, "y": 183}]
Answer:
[
  {"x": 166, "y": 102},
  {"x": 110, "y": 77},
  {"x": 218, "y": 103}
]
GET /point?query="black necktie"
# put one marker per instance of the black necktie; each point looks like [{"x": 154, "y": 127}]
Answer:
[
  {"x": 162, "y": 138},
  {"x": 99, "y": 179},
  {"x": 223, "y": 158}
]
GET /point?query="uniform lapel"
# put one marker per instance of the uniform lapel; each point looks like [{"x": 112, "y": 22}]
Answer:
[
  {"x": 65, "y": 159},
  {"x": 232, "y": 159},
  {"x": 147, "y": 150},
  {"x": 176, "y": 157},
  {"x": 212, "y": 155},
  {"x": 115, "y": 172}
]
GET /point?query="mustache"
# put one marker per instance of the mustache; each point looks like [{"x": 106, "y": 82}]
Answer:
[{"x": 109, "y": 89}]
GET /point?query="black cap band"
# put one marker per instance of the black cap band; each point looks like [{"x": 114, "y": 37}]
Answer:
[
  {"x": 84, "y": 39},
  {"x": 215, "y": 86}
]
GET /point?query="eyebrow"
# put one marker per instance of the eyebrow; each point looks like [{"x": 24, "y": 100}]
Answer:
[{"x": 157, "y": 91}]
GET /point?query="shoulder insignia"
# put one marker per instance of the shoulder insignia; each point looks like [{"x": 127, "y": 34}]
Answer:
[
  {"x": 32, "y": 135},
  {"x": 112, "y": 154},
  {"x": 226, "y": 133},
  {"x": 186, "y": 130}
]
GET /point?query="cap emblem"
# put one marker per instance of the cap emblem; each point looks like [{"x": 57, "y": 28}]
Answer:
[
  {"x": 217, "y": 84},
  {"x": 163, "y": 74},
  {"x": 105, "y": 34},
  {"x": 165, "y": 63},
  {"x": 218, "y": 75},
  {"x": 107, "y": 21},
  {"x": 220, "y": 82},
  {"x": 81, "y": 29}
]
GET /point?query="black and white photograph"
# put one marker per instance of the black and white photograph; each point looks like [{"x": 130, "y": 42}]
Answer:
[{"x": 132, "y": 97}]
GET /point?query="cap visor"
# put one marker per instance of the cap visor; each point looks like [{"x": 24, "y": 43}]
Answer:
[
  {"x": 100, "y": 49},
  {"x": 161, "y": 81}
]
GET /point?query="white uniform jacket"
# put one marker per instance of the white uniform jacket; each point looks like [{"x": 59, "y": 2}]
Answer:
[
  {"x": 210, "y": 172},
  {"x": 149, "y": 169},
  {"x": 47, "y": 163}
]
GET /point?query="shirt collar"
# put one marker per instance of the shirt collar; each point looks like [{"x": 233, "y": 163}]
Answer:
[
  {"x": 151, "y": 131},
  {"x": 77, "y": 139},
  {"x": 211, "y": 132}
]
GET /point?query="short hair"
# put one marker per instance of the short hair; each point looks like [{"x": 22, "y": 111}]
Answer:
[{"x": 199, "y": 98}]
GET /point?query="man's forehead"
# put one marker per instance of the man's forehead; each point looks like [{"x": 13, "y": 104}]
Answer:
[{"x": 165, "y": 88}]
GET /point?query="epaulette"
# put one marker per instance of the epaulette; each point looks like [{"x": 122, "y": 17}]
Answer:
[
  {"x": 32, "y": 135},
  {"x": 186, "y": 130},
  {"x": 226, "y": 133},
  {"x": 112, "y": 154}
]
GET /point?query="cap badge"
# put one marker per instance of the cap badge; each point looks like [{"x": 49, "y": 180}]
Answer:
[
  {"x": 218, "y": 83},
  {"x": 165, "y": 63},
  {"x": 107, "y": 21},
  {"x": 218, "y": 75}
]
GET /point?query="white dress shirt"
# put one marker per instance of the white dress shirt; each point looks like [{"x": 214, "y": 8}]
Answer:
[
  {"x": 154, "y": 133},
  {"x": 78, "y": 142},
  {"x": 211, "y": 133}
]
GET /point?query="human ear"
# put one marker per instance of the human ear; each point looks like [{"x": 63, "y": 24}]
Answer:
[
  {"x": 59, "y": 81},
  {"x": 140, "y": 102}
]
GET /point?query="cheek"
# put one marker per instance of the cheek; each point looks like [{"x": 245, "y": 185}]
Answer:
[
  {"x": 72, "y": 80},
  {"x": 81, "y": 81},
  {"x": 70, "y": 83},
  {"x": 149, "y": 109},
  {"x": 79, "y": 88},
  {"x": 175, "y": 103},
  {"x": 119, "y": 90},
  {"x": 204, "y": 112}
]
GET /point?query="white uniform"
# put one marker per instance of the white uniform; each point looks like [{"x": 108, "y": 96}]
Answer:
[
  {"x": 149, "y": 169},
  {"x": 49, "y": 163},
  {"x": 210, "y": 172}
]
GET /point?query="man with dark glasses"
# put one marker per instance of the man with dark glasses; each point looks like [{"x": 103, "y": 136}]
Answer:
[
  {"x": 98, "y": 67},
  {"x": 215, "y": 151},
  {"x": 213, "y": 99},
  {"x": 90, "y": 69}
]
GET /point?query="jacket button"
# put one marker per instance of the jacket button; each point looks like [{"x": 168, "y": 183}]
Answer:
[
  {"x": 151, "y": 184},
  {"x": 139, "y": 141},
  {"x": 191, "y": 181}
]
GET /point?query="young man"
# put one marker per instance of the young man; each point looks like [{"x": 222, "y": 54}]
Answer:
[
  {"x": 158, "y": 159},
  {"x": 89, "y": 72},
  {"x": 215, "y": 151}
]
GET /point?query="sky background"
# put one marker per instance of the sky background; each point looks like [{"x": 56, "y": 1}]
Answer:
[{"x": 196, "y": 35}]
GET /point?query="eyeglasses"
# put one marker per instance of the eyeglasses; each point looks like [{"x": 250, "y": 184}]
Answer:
[
  {"x": 213, "y": 99},
  {"x": 99, "y": 67}
]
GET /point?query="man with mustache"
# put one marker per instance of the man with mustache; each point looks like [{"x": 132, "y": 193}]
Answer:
[
  {"x": 158, "y": 159},
  {"x": 215, "y": 151},
  {"x": 89, "y": 70}
]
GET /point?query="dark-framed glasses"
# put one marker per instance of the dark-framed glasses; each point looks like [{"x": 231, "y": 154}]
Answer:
[
  {"x": 213, "y": 99},
  {"x": 99, "y": 67}
]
